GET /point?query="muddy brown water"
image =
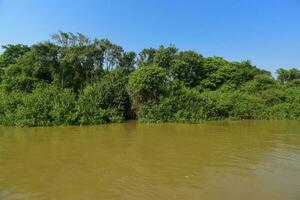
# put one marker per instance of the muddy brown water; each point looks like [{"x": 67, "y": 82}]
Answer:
[{"x": 214, "y": 160}]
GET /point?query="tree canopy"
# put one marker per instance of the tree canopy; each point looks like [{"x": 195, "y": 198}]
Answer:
[{"x": 72, "y": 79}]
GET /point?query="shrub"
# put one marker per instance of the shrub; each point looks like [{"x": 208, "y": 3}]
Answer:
[
  {"x": 146, "y": 84},
  {"x": 105, "y": 101},
  {"x": 46, "y": 105}
]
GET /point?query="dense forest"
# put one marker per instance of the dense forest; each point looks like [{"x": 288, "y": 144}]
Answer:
[{"x": 71, "y": 80}]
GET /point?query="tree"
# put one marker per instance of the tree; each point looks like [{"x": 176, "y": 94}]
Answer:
[
  {"x": 79, "y": 60},
  {"x": 46, "y": 105},
  {"x": 112, "y": 54},
  {"x": 221, "y": 72},
  {"x": 146, "y": 84},
  {"x": 72, "y": 79},
  {"x": 146, "y": 56},
  {"x": 106, "y": 100},
  {"x": 127, "y": 62},
  {"x": 37, "y": 65},
  {"x": 12, "y": 53},
  {"x": 65, "y": 39},
  {"x": 41, "y": 62},
  {"x": 188, "y": 67},
  {"x": 285, "y": 76},
  {"x": 260, "y": 83},
  {"x": 164, "y": 56}
]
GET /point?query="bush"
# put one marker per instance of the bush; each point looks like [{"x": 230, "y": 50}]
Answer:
[
  {"x": 105, "y": 101},
  {"x": 46, "y": 105},
  {"x": 146, "y": 84},
  {"x": 20, "y": 83},
  {"x": 284, "y": 111},
  {"x": 161, "y": 112},
  {"x": 8, "y": 107},
  {"x": 245, "y": 106},
  {"x": 186, "y": 105},
  {"x": 104, "y": 85}
]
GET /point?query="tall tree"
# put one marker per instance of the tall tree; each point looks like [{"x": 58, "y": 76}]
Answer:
[
  {"x": 285, "y": 75},
  {"x": 189, "y": 68},
  {"x": 12, "y": 53}
]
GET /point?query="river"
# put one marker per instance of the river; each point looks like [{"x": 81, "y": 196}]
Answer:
[{"x": 214, "y": 160}]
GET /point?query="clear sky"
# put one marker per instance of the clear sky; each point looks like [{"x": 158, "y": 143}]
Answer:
[{"x": 267, "y": 32}]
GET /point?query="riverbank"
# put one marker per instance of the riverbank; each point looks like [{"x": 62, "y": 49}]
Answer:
[{"x": 95, "y": 82}]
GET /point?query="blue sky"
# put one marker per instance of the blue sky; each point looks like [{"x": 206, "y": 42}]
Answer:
[{"x": 267, "y": 32}]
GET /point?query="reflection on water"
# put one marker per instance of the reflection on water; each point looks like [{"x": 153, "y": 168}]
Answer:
[{"x": 213, "y": 160}]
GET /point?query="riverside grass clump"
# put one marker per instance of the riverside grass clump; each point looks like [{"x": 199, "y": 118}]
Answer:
[{"x": 71, "y": 80}]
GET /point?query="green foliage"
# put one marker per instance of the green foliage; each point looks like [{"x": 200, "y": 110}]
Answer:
[
  {"x": 19, "y": 83},
  {"x": 9, "y": 103},
  {"x": 285, "y": 76},
  {"x": 146, "y": 56},
  {"x": 231, "y": 73},
  {"x": 12, "y": 53},
  {"x": 104, "y": 101},
  {"x": 245, "y": 106},
  {"x": 46, "y": 105},
  {"x": 186, "y": 105},
  {"x": 164, "y": 56},
  {"x": 127, "y": 62},
  {"x": 146, "y": 84},
  {"x": 74, "y": 80},
  {"x": 260, "y": 83},
  {"x": 189, "y": 68}
]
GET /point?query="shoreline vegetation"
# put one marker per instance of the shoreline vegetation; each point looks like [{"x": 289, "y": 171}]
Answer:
[{"x": 72, "y": 80}]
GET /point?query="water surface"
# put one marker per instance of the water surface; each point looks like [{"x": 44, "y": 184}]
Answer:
[{"x": 214, "y": 160}]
